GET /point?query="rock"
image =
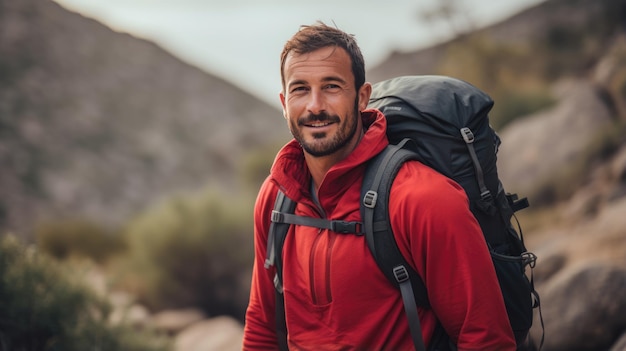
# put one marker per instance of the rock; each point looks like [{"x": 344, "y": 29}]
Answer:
[
  {"x": 174, "y": 321},
  {"x": 126, "y": 310},
  {"x": 584, "y": 308},
  {"x": 135, "y": 315},
  {"x": 524, "y": 165},
  {"x": 548, "y": 266},
  {"x": 215, "y": 334}
]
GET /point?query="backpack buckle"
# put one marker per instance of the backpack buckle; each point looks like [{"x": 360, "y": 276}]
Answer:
[
  {"x": 486, "y": 196},
  {"x": 344, "y": 227},
  {"x": 467, "y": 134},
  {"x": 277, "y": 217},
  {"x": 400, "y": 273},
  {"x": 369, "y": 200}
]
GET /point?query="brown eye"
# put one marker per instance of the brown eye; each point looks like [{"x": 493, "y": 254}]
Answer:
[{"x": 298, "y": 89}]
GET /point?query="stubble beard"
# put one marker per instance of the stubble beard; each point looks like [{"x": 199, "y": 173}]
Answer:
[{"x": 319, "y": 147}]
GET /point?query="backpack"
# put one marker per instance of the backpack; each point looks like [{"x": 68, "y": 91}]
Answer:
[{"x": 443, "y": 123}]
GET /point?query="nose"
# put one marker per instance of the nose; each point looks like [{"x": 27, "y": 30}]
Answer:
[{"x": 316, "y": 103}]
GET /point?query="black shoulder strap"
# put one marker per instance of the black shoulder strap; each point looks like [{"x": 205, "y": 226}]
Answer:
[
  {"x": 275, "y": 241},
  {"x": 379, "y": 176}
]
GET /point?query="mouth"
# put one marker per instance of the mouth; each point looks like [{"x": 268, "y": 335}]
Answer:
[{"x": 318, "y": 124}]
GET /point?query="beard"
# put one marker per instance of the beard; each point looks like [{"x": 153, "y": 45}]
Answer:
[{"x": 322, "y": 144}]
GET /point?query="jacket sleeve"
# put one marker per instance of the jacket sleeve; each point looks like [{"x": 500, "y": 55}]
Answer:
[
  {"x": 435, "y": 227},
  {"x": 259, "y": 329}
]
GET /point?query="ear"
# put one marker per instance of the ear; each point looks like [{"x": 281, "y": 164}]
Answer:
[
  {"x": 364, "y": 95},
  {"x": 282, "y": 102}
]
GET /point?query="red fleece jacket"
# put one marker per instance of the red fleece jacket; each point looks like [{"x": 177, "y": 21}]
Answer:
[{"x": 336, "y": 298}]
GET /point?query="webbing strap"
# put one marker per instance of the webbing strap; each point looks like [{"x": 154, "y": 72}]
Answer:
[
  {"x": 276, "y": 238},
  {"x": 371, "y": 196},
  {"x": 281, "y": 323},
  {"x": 410, "y": 308},
  {"x": 341, "y": 227},
  {"x": 468, "y": 136},
  {"x": 279, "y": 204}
]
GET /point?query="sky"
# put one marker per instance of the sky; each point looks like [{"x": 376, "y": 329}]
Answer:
[{"x": 241, "y": 40}]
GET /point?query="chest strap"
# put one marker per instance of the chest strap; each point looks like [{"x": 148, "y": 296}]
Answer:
[{"x": 341, "y": 227}]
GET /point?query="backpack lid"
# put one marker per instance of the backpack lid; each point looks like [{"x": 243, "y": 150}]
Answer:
[{"x": 450, "y": 102}]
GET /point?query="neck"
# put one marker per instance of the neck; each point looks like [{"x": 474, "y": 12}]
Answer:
[{"x": 318, "y": 166}]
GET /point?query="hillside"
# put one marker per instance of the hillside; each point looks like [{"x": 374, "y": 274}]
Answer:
[
  {"x": 98, "y": 124},
  {"x": 569, "y": 35}
]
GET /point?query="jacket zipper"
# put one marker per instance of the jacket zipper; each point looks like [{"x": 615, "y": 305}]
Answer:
[
  {"x": 312, "y": 266},
  {"x": 329, "y": 249},
  {"x": 314, "y": 257}
]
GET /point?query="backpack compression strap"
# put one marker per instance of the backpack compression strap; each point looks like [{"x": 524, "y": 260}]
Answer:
[
  {"x": 486, "y": 198},
  {"x": 377, "y": 181}
]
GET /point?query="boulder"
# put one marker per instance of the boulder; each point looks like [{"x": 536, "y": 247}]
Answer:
[
  {"x": 216, "y": 334},
  {"x": 174, "y": 321},
  {"x": 584, "y": 308}
]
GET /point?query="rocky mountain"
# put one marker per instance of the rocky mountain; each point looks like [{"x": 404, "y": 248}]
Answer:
[{"x": 98, "y": 124}]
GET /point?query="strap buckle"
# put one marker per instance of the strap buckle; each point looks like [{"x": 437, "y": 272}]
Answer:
[
  {"x": 369, "y": 200},
  {"x": 467, "y": 134},
  {"x": 344, "y": 227},
  {"x": 486, "y": 196},
  {"x": 400, "y": 273},
  {"x": 277, "y": 217}
]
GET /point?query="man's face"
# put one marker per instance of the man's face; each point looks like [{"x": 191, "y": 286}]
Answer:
[{"x": 320, "y": 102}]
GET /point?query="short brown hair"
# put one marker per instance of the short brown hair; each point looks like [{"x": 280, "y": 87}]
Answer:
[{"x": 319, "y": 35}]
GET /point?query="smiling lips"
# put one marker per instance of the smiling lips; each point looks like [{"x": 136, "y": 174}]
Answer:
[{"x": 318, "y": 124}]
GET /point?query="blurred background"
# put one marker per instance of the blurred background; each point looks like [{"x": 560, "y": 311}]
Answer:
[{"x": 135, "y": 134}]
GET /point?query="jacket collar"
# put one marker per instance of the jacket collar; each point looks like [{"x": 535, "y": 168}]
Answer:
[{"x": 291, "y": 174}]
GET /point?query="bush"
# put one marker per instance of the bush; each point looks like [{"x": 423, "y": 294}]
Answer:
[
  {"x": 192, "y": 251},
  {"x": 256, "y": 165},
  {"x": 511, "y": 105},
  {"x": 45, "y": 307},
  {"x": 78, "y": 238}
]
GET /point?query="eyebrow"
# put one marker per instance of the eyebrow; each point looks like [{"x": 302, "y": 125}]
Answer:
[
  {"x": 324, "y": 80},
  {"x": 334, "y": 79}
]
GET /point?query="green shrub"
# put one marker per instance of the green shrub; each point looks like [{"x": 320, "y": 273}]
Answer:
[
  {"x": 255, "y": 166},
  {"x": 44, "y": 306},
  {"x": 192, "y": 251},
  {"x": 78, "y": 237},
  {"x": 512, "y": 105}
]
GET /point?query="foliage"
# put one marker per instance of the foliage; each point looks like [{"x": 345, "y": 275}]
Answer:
[
  {"x": 45, "y": 307},
  {"x": 256, "y": 165},
  {"x": 511, "y": 105},
  {"x": 192, "y": 251},
  {"x": 77, "y": 237}
]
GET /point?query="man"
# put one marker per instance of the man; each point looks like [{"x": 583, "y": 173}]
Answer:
[{"x": 335, "y": 296}]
